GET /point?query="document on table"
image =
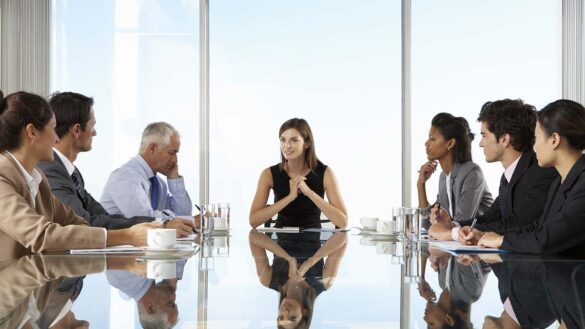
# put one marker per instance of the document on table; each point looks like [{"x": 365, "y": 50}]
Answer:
[
  {"x": 326, "y": 229},
  {"x": 278, "y": 229},
  {"x": 456, "y": 247},
  {"x": 107, "y": 250}
]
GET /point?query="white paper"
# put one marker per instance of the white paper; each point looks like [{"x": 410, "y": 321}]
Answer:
[
  {"x": 462, "y": 248},
  {"x": 278, "y": 229},
  {"x": 116, "y": 249}
]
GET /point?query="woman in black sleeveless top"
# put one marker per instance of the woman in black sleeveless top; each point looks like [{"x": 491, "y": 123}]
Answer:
[{"x": 300, "y": 182}]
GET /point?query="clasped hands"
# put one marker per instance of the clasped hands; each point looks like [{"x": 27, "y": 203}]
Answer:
[
  {"x": 297, "y": 184},
  {"x": 295, "y": 271}
]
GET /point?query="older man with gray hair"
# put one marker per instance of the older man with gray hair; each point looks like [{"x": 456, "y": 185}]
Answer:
[{"x": 135, "y": 189}]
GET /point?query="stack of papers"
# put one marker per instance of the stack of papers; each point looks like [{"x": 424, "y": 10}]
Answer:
[
  {"x": 107, "y": 250},
  {"x": 456, "y": 247}
]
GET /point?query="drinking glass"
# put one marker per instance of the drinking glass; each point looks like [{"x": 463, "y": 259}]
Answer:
[
  {"x": 412, "y": 223},
  {"x": 208, "y": 214},
  {"x": 223, "y": 214},
  {"x": 398, "y": 218}
]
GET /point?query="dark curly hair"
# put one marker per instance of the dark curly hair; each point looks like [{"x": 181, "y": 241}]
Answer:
[
  {"x": 450, "y": 126},
  {"x": 513, "y": 117}
]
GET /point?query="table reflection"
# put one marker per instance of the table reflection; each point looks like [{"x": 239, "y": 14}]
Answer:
[{"x": 303, "y": 267}]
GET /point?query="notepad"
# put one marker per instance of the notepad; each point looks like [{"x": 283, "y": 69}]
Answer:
[
  {"x": 278, "y": 229},
  {"x": 456, "y": 247},
  {"x": 107, "y": 250}
]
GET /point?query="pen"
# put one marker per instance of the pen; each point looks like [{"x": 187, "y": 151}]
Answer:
[
  {"x": 473, "y": 224},
  {"x": 196, "y": 206}
]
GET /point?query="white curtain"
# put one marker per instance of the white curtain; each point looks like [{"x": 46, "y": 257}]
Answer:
[
  {"x": 573, "y": 40},
  {"x": 24, "y": 50}
]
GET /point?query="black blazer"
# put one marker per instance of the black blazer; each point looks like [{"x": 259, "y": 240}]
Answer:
[
  {"x": 525, "y": 200},
  {"x": 83, "y": 203},
  {"x": 561, "y": 228}
]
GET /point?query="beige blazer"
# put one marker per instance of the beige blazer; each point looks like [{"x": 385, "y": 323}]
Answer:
[{"x": 50, "y": 226}]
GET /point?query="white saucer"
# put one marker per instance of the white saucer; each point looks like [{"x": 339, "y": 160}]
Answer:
[
  {"x": 383, "y": 233},
  {"x": 161, "y": 250}
]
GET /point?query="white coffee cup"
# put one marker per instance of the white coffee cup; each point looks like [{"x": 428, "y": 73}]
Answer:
[
  {"x": 161, "y": 269},
  {"x": 369, "y": 222},
  {"x": 385, "y": 226},
  {"x": 162, "y": 238}
]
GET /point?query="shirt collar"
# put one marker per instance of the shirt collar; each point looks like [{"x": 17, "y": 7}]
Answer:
[
  {"x": 510, "y": 170},
  {"x": 32, "y": 181},
  {"x": 68, "y": 164},
  {"x": 145, "y": 167}
]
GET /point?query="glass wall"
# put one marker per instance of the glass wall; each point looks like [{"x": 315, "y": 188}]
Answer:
[
  {"x": 465, "y": 53},
  {"x": 139, "y": 61},
  {"x": 336, "y": 64}
]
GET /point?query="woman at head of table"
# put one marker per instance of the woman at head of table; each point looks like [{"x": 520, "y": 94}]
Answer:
[
  {"x": 32, "y": 219},
  {"x": 560, "y": 141},
  {"x": 300, "y": 182}
]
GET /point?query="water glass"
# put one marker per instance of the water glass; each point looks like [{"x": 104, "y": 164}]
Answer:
[
  {"x": 398, "y": 218},
  {"x": 223, "y": 215},
  {"x": 208, "y": 215},
  {"x": 412, "y": 223}
]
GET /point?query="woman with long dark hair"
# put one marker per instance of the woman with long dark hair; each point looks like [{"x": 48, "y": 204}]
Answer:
[
  {"x": 300, "y": 182},
  {"x": 463, "y": 192}
]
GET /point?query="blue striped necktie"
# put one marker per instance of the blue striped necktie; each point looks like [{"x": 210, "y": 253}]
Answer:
[{"x": 154, "y": 191}]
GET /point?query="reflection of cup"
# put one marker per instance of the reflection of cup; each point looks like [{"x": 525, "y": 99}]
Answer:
[
  {"x": 221, "y": 245},
  {"x": 161, "y": 238},
  {"x": 367, "y": 241},
  {"x": 385, "y": 248},
  {"x": 412, "y": 223},
  {"x": 385, "y": 226},
  {"x": 369, "y": 222},
  {"x": 161, "y": 269}
]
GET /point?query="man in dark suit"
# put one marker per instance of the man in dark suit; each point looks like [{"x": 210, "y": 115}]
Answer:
[
  {"x": 76, "y": 128},
  {"x": 507, "y": 136}
]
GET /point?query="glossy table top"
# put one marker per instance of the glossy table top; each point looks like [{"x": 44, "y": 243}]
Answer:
[{"x": 341, "y": 280}]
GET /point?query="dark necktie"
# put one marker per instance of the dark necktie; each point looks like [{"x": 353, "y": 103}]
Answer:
[
  {"x": 154, "y": 192},
  {"x": 76, "y": 177},
  {"x": 503, "y": 193}
]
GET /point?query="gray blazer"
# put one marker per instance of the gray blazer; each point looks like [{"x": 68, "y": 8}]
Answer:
[{"x": 469, "y": 193}]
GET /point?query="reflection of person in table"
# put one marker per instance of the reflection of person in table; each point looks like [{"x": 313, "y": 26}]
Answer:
[
  {"x": 298, "y": 272},
  {"x": 155, "y": 300},
  {"x": 300, "y": 182},
  {"x": 462, "y": 285}
]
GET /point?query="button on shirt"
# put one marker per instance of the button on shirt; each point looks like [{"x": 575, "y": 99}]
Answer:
[{"x": 128, "y": 193}]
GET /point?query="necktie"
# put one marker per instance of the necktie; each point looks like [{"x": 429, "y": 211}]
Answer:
[
  {"x": 76, "y": 177},
  {"x": 503, "y": 194},
  {"x": 154, "y": 192}
]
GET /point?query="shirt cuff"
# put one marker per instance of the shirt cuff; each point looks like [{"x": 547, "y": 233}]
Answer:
[
  {"x": 105, "y": 237},
  {"x": 176, "y": 184},
  {"x": 455, "y": 232}
]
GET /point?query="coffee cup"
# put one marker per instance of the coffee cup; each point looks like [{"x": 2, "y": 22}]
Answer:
[
  {"x": 159, "y": 238},
  {"x": 369, "y": 222},
  {"x": 385, "y": 226},
  {"x": 161, "y": 269}
]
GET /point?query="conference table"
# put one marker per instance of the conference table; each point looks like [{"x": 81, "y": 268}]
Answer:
[{"x": 249, "y": 279}]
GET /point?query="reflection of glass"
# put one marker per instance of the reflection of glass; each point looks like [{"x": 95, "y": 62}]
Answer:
[{"x": 412, "y": 261}]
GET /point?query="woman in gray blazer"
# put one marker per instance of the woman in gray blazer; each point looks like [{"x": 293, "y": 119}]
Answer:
[{"x": 463, "y": 192}]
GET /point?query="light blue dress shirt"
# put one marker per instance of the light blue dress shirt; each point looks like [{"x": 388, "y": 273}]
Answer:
[{"x": 127, "y": 193}]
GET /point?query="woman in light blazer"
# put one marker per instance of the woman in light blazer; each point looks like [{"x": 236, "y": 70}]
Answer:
[{"x": 463, "y": 192}]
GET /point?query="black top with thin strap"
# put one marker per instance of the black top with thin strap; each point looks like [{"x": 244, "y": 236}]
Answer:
[{"x": 301, "y": 212}]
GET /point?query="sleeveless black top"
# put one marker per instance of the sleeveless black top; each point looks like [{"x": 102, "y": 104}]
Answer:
[
  {"x": 302, "y": 212},
  {"x": 302, "y": 247}
]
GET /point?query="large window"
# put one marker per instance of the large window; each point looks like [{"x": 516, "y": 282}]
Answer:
[
  {"x": 139, "y": 60},
  {"x": 336, "y": 64},
  {"x": 465, "y": 53}
]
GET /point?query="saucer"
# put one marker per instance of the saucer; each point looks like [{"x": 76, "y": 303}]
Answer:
[
  {"x": 160, "y": 257},
  {"x": 161, "y": 250},
  {"x": 382, "y": 233}
]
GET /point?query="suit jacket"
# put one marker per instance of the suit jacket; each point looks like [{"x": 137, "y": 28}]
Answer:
[
  {"x": 82, "y": 202},
  {"x": 47, "y": 226},
  {"x": 469, "y": 192},
  {"x": 561, "y": 228},
  {"x": 527, "y": 192}
]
